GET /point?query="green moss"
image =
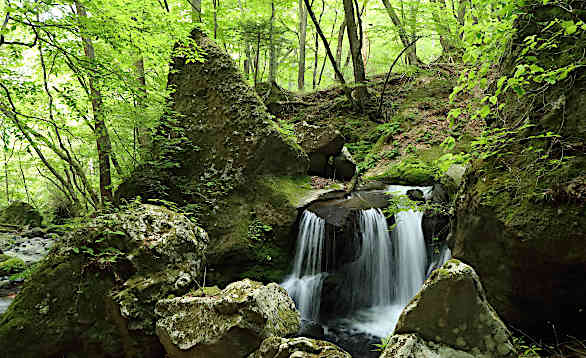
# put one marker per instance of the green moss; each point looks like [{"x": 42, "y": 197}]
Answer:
[
  {"x": 11, "y": 266},
  {"x": 409, "y": 172}
]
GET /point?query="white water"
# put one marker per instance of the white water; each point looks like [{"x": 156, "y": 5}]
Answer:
[
  {"x": 305, "y": 283},
  {"x": 409, "y": 264},
  {"x": 389, "y": 271}
]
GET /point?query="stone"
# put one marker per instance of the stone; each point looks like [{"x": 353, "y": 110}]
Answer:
[
  {"x": 416, "y": 195},
  {"x": 344, "y": 165},
  {"x": 94, "y": 294},
  {"x": 234, "y": 162},
  {"x": 232, "y": 323},
  {"x": 456, "y": 173},
  {"x": 311, "y": 329},
  {"x": 301, "y": 347},
  {"x": 412, "y": 346},
  {"x": 20, "y": 214},
  {"x": 320, "y": 143},
  {"x": 451, "y": 309}
]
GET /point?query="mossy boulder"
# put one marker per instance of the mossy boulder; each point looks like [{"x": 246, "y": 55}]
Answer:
[
  {"x": 231, "y": 323},
  {"x": 409, "y": 171},
  {"x": 11, "y": 265},
  {"x": 520, "y": 216},
  {"x": 276, "y": 347},
  {"x": 226, "y": 160},
  {"x": 94, "y": 294},
  {"x": 20, "y": 214},
  {"x": 451, "y": 309}
]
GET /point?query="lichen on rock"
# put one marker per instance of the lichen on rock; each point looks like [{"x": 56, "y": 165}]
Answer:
[
  {"x": 451, "y": 309},
  {"x": 301, "y": 347},
  {"x": 94, "y": 294},
  {"x": 231, "y": 323}
]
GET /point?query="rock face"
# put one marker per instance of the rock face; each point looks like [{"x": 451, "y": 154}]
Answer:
[
  {"x": 20, "y": 214},
  {"x": 94, "y": 294},
  {"x": 227, "y": 160},
  {"x": 301, "y": 347},
  {"x": 344, "y": 165},
  {"x": 451, "y": 309},
  {"x": 520, "y": 222},
  {"x": 232, "y": 323}
]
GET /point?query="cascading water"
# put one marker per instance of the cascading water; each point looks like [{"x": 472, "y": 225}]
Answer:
[
  {"x": 305, "y": 283},
  {"x": 387, "y": 272}
]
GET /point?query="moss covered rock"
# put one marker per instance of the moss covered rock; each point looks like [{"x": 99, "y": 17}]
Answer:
[
  {"x": 20, "y": 214},
  {"x": 276, "y": 347},
  {"x": 11, "y": 265},
  {"x": 94, "y": 294},
  {"x": 231, "y": 323},
  {"x": 451, "y": 309},
  {"x": 224, "y": 159},
  {"x": 520, "y": 216}
]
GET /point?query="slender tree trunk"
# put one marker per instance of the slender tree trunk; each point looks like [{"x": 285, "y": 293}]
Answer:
[
  {"x": 246, "y": 46},
  {"x": 411, "y": 52},
  {"x": 302, "y": 39},
  {"x": 216, "y": 4},
  {"x": 256, "y": 59},
  {"x": 101, "y": 131},
  {"x": 358, "y": 64},
  {"x": 272, "y": 48},
  {"x": 316, "y": 53},
  {"x": 341, "y": 32},
  {"x": 195, "y": 11},
  {"x": 143, "y": 133}
]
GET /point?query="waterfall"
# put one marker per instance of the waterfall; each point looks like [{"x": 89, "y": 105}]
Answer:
[
  {"x": 388, "y": 271},
  {"x": 305, "y": 283}
]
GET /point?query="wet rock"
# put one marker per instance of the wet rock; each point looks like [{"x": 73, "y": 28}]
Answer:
[
  {"x": 456, "y": 173},
  {"x": 451, "y": 309},
  {"x": 301, "y": 347},
  {"x": 30, "y": 250},
  {"x": 412, "y": 346},
  {"x": 416, "y": 195},
  {"x": 20, "y": 214},
  {"x": 94, "y": 294},
  {"x": 231, "y": 324},
  {"x": 311, "y": 329}
]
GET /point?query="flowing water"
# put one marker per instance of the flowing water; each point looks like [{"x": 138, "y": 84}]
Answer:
[{"x": 390, "y": 269}]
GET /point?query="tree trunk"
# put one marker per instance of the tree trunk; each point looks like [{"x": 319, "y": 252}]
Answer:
[
  {"x": 316, "y": 53},
  {"x": 215, "y": 4},
  {"x": 143, "y": 133},
  {"x": 256, "y": 59},
  {"x": 302, "y": 38},
  {"x": 358, "y": 64},
  {"x": 100, "y": 129},
  {"x": 443, "y": 32},
  {"x": 272, "y": 48},
  {"x": 339, "y": 48},
  {"x": 246, "y": 45},
  {"x": 195, "y": 11},
  {"x": 411, "y": 51}
]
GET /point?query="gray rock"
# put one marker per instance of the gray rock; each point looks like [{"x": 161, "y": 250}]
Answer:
[
  {"x": 300, "y": 347},
  {"x": 451, "y": 309},
  {"x": 320, "y": 143},
  {"x": 344, "y": 165},
  {"x": 412, "y": 346},
  {"x": 232, "y": 323},
  {"x": 456, "y": 173}
]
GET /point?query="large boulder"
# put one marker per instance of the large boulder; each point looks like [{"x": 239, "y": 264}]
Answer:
[
  {"x": 451, "y": 309},
  {"x": 225, "y": 159},
  {"x": 231, "y": 323},
  {"x": 520, "y": 214},
  {"x": 276, "y": 347},
  {"x": 94, "y": 294},
  {"x": 20, "y": 214}
]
